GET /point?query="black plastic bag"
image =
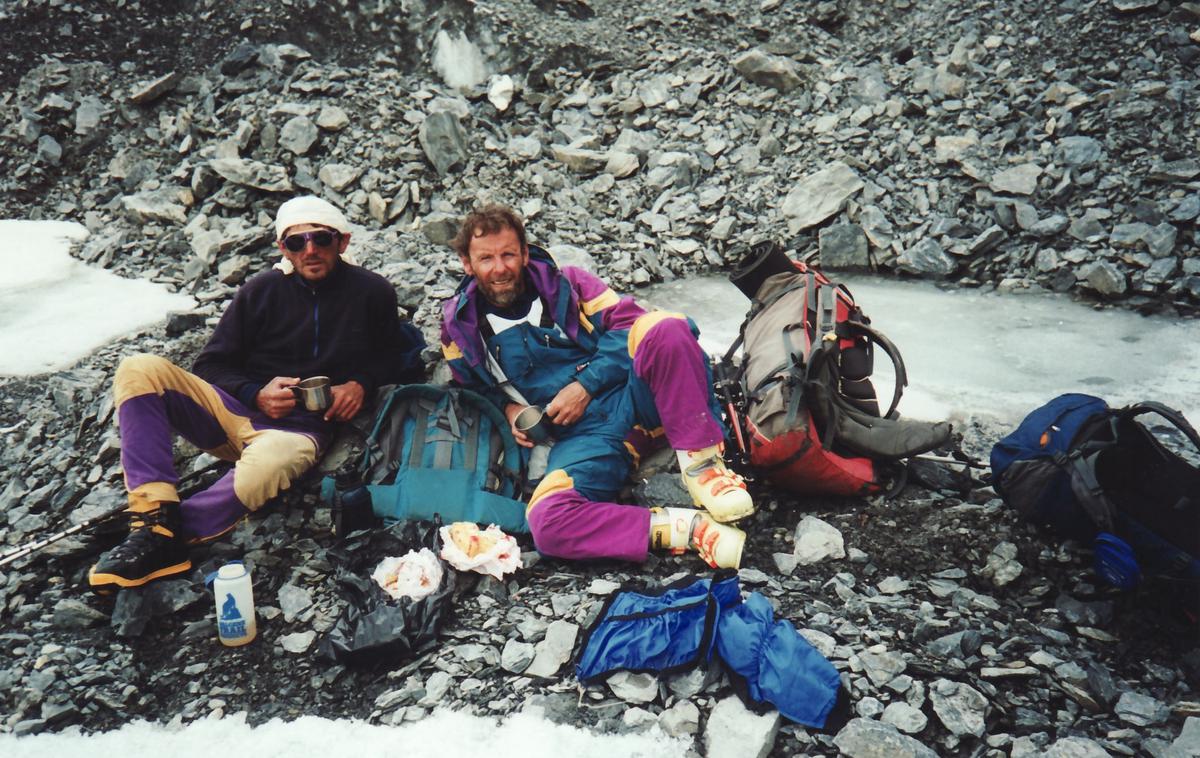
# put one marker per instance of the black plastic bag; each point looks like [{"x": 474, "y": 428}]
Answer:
[{"x": 374, "y": 627}]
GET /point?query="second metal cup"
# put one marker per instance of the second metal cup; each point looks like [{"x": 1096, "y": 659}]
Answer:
[{"x": 533, "y": 423}]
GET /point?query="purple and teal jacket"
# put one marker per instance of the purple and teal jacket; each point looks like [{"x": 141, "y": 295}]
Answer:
[{"x": 588, "y": 342}]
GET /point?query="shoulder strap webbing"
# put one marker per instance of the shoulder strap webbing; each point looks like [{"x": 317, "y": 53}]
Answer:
[{"x": 1176, "y": 418}]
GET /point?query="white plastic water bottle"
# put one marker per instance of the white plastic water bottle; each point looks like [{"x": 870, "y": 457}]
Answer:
[{"x": 235, "y": 605}]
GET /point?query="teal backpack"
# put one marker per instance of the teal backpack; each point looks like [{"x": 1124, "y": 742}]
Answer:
[{"x": 442, "y": 451}]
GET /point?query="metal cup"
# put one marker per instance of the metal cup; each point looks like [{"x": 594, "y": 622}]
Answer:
[
  {"x": 314, "y": 393},
  {"x": 533, "y": 423}
]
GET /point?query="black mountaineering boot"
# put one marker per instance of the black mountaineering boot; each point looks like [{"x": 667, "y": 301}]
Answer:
[{"x": 153, "y": 549}]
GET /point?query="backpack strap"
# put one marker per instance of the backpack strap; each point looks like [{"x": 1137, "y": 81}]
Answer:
[
  {"x": 1081, "y": 465},
  {"x": 1170, "y": 414},
  {"x": 846, "y": 328}
]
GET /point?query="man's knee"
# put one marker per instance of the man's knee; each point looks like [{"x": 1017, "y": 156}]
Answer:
[
  {"x": 140, "y": 374},
  {"x": 658, "y": 326},
  {"x": 550, "y": 512},
  {"x": 270, "y": 463}
]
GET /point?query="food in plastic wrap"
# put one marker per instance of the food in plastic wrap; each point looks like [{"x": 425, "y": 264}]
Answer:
[
  {"x": 488, "y": 551},
  {"x": 414, "y": 575}
]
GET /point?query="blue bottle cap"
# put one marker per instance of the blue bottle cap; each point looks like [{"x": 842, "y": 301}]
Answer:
[{"x": 1115, "y": 561}]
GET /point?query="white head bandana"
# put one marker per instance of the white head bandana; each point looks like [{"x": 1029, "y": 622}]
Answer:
[{"x": 309, "y": 209}]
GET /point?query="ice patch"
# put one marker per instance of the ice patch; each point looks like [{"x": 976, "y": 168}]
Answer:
[
  {"x": 55, "y": 309},
  {"x": 983, "y": 353}
]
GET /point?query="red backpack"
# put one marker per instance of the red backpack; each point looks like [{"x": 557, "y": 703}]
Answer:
[{"x": 801, "y": 404}]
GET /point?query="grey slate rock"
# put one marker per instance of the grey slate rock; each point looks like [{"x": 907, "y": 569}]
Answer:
[
  {"x": 516, "y": 656},
  {"x": 768, "y": 70},
  {"x": 843, "y": 248},
  {"x": 1141, "y": 710},
  {"x": 863, "y": 738},
  {"x": 299, "y": 134},
  {"x": 555, "y": 650},
  {"x": 443, "y": 140},
  {"x": 150, "y": 91},
  {"x": 633, "y": 687},
  {"x": 926, "y": 257},
  {"x": 49, "y": 151},
  {"x": 1018, "y": 180},
  {"x": 904, "y": 717},
  {"x": 1105, "y": 278},
  {"x": 820, "y": 195},
  {"x": 1075, "y": 747},
  {"x": 1080, "y": 152},
  {"x": 960, "y": 707},
  {"x": 252, "y": 174},
  {"x": 71, "y": 613}
]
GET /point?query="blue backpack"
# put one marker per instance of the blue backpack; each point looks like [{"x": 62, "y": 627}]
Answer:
[
  {"x": 1097, "y": 475},
  {"x": 445, "y": 452}
]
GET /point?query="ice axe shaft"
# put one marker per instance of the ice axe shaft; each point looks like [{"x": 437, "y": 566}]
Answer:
[
  {"x": 32, "y": 547},
  {"x": 939, "y": 459}
]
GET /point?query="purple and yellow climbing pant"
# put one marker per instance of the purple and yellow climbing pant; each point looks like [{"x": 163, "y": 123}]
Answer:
[
  {"x": 668, "y": 393},
  {"x": 154, "y": 398}
]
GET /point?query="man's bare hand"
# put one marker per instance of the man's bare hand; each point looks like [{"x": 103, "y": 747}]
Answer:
[
  {"x": 276, "y": 398},
  {"x": 568, "y": 405},
  {"x": 347, "y": 401},
  {"x": 511, "y": 411}
]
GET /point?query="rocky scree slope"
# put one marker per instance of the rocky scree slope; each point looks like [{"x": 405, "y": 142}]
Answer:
[{"x": 1018, "y": 146}]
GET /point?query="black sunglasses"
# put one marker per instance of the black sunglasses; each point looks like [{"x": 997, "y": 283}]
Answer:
[{"x": 321, "y": 238}]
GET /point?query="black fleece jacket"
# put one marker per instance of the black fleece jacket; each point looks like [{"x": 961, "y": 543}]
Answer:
[{"x": 345, "y": 327}]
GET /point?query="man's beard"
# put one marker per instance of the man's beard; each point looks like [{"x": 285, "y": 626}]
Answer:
[{"x": 503, "y": 298}]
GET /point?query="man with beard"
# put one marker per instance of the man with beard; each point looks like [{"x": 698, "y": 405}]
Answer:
[
  {"x": 611, "y": 376},
  {"x": 314, "y": 314}
]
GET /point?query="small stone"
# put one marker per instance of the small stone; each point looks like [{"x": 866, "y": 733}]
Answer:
[
  {"x": 768, "y": 70},
  {"x": 148, "y": 92},
  {"x": 1075, "y": 747},
  {"x": 1080, "y": 152},
  {"x": 882, "y": 667},
  {"x": 339, "y": 176},
  {"x": 252, "y": 174},
  {"x": 634, "y": 687},
  {"x": 332, "y": 118},
  {"x": 70, "y": 613},
  {"x": 1019, "y": 180},
  {"x": 960, "y": 707},
  {"x": 516, "y": 656},
  {"x": 1141, "y": 710},
  {"x": 904, "y": 717},
  {"x": 299, "y": 134},
  {"x": 681, "y": 719},
  {"x": 1188, "y": 741},
  {"x": 816, "y": 540},
  {"x": 1105, "y": 278},
  {"x": 293, "y": 601},
  {"x": 48, "y": 150},
  {"x": 443, "y": 140},
  {"x": 733, "y": 731},
  {"x": 500, "y": 91},
  {"x": 297, "y": 642},
  {"x": 1002, "y": 566},
  {"x": 926, "y": 257},
  {"x": 863, "y": 738},
  {"x": 555, "y": 650},
  {"x": 843, "y": 247}
]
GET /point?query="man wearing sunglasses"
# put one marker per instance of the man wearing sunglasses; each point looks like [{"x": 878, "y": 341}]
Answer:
[{"x": 314, "y": 314}]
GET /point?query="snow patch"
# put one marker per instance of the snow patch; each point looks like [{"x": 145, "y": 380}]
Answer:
[
  {"x": 458, "y": 61},
  {"x": 447, "y": 734},
  {"x": 55, "y": 309}
]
